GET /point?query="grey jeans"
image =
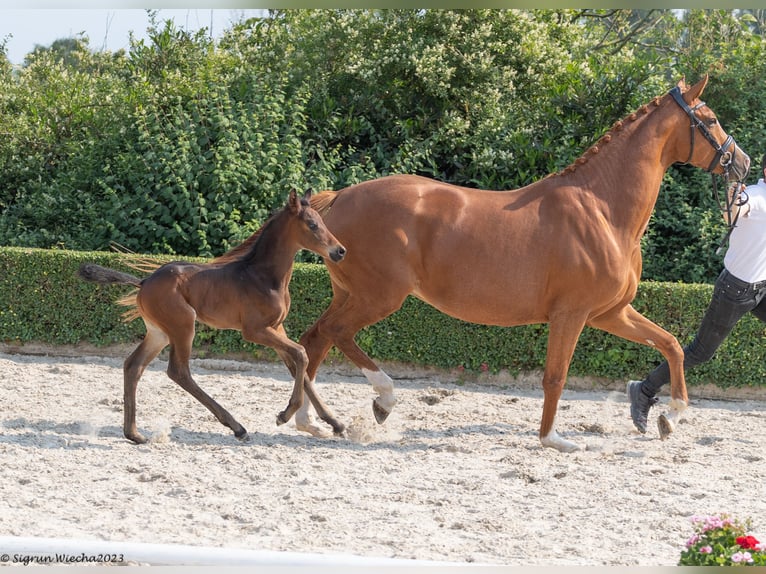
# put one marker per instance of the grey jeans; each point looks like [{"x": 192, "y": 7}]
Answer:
[{"x": 732, "y": 299}]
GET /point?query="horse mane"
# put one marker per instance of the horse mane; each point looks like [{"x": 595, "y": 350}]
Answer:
[
  {"x": 250, "y": 244},
  {"x": 617, "y": 127},
  {"x": 322, "y": 202}
]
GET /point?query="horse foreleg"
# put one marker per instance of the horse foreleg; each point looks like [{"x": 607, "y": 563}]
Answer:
[
  {"x": 154, "y": 341},
  {"x": 631, "y": 325},
  {"x": 294, "y": 357},
  {"x": 562, "y": 339},
  {"x": 338, "y": 325}
]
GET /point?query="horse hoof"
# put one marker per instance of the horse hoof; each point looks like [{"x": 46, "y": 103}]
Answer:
[
  {"x": 136, "y": 438},
  {"x": 553, "y": 440},
  {"x": 380, "y": 413},
  {"x": 665, "y": 426},
  {"x": 281, "y": 419},
  {"x": 242, "y": 435},
  {"x": 340, "y": 431}
]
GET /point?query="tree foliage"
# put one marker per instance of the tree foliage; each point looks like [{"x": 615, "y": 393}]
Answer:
[{"x": 184, "y": 144}]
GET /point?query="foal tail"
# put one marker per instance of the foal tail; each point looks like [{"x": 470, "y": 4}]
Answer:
[
  {"x": 322, "y": 202},
  {"x": 105, "y": 276}
]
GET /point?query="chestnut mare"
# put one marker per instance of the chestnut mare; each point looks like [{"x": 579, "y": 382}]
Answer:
[
  {"x": 564, "y": 250},
  {"x": 246, "y": 289}
]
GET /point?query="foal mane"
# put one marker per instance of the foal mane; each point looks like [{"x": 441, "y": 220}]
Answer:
[
  {"x": 249, "y": 245},
  {"x": 617, "y": 127}
]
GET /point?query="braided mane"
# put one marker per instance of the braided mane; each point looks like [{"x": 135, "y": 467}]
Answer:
[{"x": 617, "y": 127}]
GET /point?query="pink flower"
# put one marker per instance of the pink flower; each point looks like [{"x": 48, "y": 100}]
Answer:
[
  {"x": 484, "y": 367},
  {"x": 738, "y": 557},
  {"x": 706, "y": 550}
]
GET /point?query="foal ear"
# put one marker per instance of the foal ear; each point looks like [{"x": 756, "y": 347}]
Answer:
[
  {"x": 293, "y": 203},
  {"x": 696, "y": 90},
  {"x": 307, "y": 194}
]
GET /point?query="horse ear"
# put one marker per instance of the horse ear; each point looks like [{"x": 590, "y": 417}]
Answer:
[
  {"x": 307, "y": 194},
  {"x": 293, "y": 202},
  {"x": 696, "y": 90}
]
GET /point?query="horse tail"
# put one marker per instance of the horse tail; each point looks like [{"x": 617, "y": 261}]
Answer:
[
  {"x": 322, "y": 201},
  {"x": 106, "y": 276},
  {"x": 131, "y": 302}
]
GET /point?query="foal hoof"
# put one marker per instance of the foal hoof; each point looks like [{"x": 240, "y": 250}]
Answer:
[
  {"x": 281, "y": 419},
  {"x": 137, "y": 438},
  {"x": 340, "y": 431},
  {"x": 380, "y": 413},
  {"x": 242, "y": 435},
  {"x": 665, "y": 426}
]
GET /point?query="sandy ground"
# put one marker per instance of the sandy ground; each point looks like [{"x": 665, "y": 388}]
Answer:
[{"x": 457, "y": 472}]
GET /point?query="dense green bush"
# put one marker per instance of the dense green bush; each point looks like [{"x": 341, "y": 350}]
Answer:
[
  {"x": 45, "y": 302},
  {"x": 183, "y": 145}
]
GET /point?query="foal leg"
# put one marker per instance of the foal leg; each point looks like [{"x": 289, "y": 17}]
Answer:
[
  {"x": 154, "y": 341},
  {"x": 178, "y": 371},
  {"x": 293, "y": 355},
  {"x": 562, "y": 339},
  {"x": 631, "y": 325},
  {"x": 302, "y": 416},
  {"x": 317, "y": 345}
]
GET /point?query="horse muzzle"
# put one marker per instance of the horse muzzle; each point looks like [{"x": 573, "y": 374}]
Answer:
[
  {"x": 741, "y": 168},
  {"x": 337, "y": 253},
  {"x": 735, "y": 163}
]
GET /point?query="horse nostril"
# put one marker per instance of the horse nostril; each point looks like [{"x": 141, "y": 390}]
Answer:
[{"x": 338, "y": 253}]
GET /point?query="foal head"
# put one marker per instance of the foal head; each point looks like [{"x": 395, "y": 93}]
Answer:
[{"x": 309, "y": 230}]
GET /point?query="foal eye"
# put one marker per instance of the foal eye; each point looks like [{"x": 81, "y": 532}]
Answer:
[{"x": 313, "y": 225}]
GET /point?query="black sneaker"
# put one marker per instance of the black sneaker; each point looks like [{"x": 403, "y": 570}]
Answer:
[{"x": 639, "y": 405}]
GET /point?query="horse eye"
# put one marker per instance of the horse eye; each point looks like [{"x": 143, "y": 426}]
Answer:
[
  {"x": 712, "y": 121},
  {"x": 313, "y": 225}
]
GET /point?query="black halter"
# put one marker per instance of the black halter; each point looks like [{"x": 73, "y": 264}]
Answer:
[{"x": 723, "y": 157}]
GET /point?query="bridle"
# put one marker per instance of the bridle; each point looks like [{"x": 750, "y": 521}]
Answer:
[{"x": 723, "y": 157}]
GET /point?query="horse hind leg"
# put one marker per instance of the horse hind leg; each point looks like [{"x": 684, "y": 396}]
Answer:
[
  {"x": 154, "y": 341},
  {"x": 178, "y": 371}
]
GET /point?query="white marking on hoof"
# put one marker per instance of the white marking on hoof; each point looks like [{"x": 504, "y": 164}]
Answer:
[
  {"x": 313, "y": 430},
  {"x": 677, "y": 405},
  {"x": 305, "y": 423},
  {"x": 666, "y": 423},
  {"x": 553, "y": 440},
  {"x": 384, "y": 386}
]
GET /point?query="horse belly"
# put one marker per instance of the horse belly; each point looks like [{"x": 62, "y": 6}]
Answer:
[{"x": 503, "y": 297}]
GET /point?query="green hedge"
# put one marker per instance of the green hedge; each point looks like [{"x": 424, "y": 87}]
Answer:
[{"x": 43, "y": 301}]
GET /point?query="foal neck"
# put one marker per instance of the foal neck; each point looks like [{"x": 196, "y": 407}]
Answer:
[{"x": 273, "y": 252}]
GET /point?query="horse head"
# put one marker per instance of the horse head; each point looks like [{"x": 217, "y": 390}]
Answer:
[
  {"x": 311, "y": 232},
  {"x": 722, "y": 156}
]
